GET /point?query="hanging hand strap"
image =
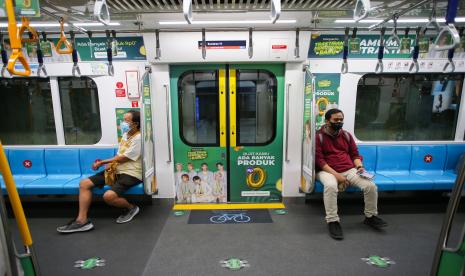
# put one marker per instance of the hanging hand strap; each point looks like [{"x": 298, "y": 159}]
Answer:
[
  {"x": 111, "y": 70},
  {"x": 416, "y": 52},
  {"x": 40, "y": 60},
  {"x": 379, "y": 66},
  {"x": 15, "y": 43},
  {"x": 63, "y": 40},
  {"x": 76, "y": 70},
  {"x": 4, "y": 56},
  {"x": 345, "y": 54},
  {"x": 449, "y": 30},
  {"x": 33, "y": 36}
]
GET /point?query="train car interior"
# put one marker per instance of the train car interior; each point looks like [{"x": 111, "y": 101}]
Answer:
[{"x": 217, "y": 137}]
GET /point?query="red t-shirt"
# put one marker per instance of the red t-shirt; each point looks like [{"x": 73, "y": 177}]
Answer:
[{"x": 336, "y": 151}]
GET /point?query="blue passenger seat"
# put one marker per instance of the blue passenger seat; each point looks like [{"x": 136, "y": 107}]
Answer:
[
  {"x": 369, "y": 155},
  {"x": 27, "y": 165},
  {"x": 62, "y": 166},
  {"x": 428, "y": 161},
  {"x": 393, "y": 162}
]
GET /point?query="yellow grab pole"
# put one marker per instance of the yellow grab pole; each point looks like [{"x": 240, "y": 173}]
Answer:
[{"x": 14, "y": 199}]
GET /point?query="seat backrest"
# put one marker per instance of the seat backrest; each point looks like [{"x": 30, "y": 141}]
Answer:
[
  {"x": 453, "y": 154},
  {"x": 88, "y": 156},
  {"x": 428, "y": 157},
  {"x": 62, "y": 161},
  {"x": 27, "y": 161},
  {"x": 368, "y": 153},
  {"x": 395, "y": 158}
]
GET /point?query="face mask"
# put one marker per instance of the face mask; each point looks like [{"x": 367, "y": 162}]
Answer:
[
  {"x": 336, "y": 126},
  {"x": 124, "y": 127}
]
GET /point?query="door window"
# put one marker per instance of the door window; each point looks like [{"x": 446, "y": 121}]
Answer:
[
  {"x": 198, "y": 107},
  {"x": 256, "y": 107}
]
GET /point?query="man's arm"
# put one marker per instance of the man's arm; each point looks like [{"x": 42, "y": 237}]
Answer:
[
  {"x": 354, "y": 154},
  {"x": 118, "y": 158}
]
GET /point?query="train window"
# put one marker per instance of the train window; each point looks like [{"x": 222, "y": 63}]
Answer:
[
  {"x": 27, "y": 112},
  {"x": 198, "y": 107},
  {"x": 402, "y": 107},
  {"x": 80, "y": 109},
  {"x": 256, "y": 106}
]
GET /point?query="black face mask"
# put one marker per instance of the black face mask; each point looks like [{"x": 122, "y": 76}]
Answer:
[{"x": 336, "y": 126}]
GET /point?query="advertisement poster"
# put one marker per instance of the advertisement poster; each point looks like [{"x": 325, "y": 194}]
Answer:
[
  {"x": 256, "y": 173},
  {"x": 200, "y": 177},
  {"x": 366, "y": 46},
  {"x": 148, "y": 146},
  {"x": 326, "y": 96},
  {"x": 29, "y": 8},
  {"x": 308, "y": 129},
  {"x": 129, "y": 48}
]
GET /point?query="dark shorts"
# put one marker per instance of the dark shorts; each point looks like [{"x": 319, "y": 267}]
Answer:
[{"x": 122, "y": 184}]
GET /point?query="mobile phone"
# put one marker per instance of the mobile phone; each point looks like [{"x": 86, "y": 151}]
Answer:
[{"x": 366, "y": 175}]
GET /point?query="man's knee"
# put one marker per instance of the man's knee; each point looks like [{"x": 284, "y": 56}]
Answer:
[
  {"x": 109, "y": 196},
  {"x": 86, "y": 184},
  {"x": 370, "y": 187},
  {"x": 329, "y": 183}
]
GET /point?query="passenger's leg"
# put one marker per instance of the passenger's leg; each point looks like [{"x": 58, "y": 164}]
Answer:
[
  {"x": 329, "y": 182},
  {"x": 112, "y": 198},
  {"x": 85, "y": 199},
  {"x": 370, "y": 191}
]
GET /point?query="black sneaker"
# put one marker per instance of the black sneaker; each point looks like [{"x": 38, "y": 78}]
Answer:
[
  {"x": 375, "y": 222},
  {"x": 128, "y": 215},
  {"x": 335, "y": 230},
  {"x": 74, "y": 226}
]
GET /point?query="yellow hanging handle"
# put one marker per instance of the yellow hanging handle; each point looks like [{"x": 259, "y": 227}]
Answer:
[
  {"x": 15, "y": 43},
  {"x": 14, "y": 198},
  {"x": 25, "y": 26},
  {"x": 63, "y": 40}
]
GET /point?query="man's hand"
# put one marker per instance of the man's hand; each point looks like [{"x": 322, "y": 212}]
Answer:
[
  {"x": 360, "y": 169},
  {"x": 342, "y": 179},
  {"x": 96, "y": 165}
]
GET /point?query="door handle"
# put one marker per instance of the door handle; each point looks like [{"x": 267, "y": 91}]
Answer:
[
  {"x": 168, "y": 121},
  {"x": 288, "y": 88}
]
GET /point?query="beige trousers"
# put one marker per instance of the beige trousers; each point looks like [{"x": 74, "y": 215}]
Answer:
[{"x": 370, "y": 193}]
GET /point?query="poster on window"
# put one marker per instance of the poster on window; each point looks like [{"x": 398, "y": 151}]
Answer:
[
  {"x": 148, "y": 146},
  {"x": 307, "y": 182}
]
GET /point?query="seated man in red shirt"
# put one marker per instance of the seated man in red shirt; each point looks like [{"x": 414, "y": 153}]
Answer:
[{"x": 338, "y": 165}]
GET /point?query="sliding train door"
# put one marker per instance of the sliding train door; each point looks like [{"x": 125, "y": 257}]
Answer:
[{"x": 227, "y": 132}]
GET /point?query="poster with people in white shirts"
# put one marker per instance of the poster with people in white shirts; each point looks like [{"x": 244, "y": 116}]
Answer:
[{"x": 201, "y": 183}]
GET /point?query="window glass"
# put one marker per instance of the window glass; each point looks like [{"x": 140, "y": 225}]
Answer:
[
  {"x": 27, "y": 112},
  {"x": 80, "y": 110},
  {"x": 256, "y": 106},
  {"x": 198, "y": 107},
  {"x": 403, "y": 107}
]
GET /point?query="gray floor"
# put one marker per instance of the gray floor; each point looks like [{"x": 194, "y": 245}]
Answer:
[{"x": 158, "y": 243}]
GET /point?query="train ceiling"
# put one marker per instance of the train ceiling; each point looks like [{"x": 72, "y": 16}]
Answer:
[{"x": 139, "y": 14}]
